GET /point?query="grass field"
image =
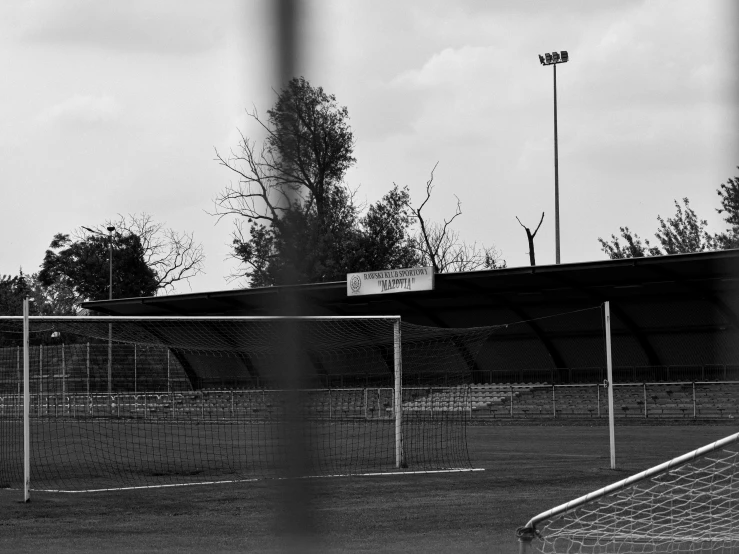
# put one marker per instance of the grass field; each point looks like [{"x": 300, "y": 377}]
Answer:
[{"x": 528, "y": 468}]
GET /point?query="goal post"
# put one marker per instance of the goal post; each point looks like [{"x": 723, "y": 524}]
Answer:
[
  {"x": 687, "y": 504},
  {"x": 199, "y": 399},
  {"x": 398, "y": 396},
  {"x": 26, "y": 405}
]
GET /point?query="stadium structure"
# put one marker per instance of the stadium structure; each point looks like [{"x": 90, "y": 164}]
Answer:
[{"x": 674, "y": 318}]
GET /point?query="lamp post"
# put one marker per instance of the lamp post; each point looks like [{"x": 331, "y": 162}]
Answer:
[
  {"x": 110, "y": 297},
  {"x": 553, "y": 59}
]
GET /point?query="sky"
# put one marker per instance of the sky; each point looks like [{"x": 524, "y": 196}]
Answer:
[{"x": 119, "y": 108}]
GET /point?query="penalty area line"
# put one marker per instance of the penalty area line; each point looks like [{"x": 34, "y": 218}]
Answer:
[{"x": 257, "y": 479}]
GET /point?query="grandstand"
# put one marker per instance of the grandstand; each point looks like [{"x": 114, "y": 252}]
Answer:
[{"x": 674, "y": 319}]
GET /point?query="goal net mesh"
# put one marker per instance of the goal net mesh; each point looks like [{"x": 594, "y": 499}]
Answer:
[
  {"x": 689, "y": 507},
  {"x": 151, "y": 402}
]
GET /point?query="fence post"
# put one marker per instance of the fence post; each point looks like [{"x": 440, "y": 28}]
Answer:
[
  {"x": 554, "y": 404},
  {"x": 511, "y": 387},
  {"x": 694, "y": 410},
  {"x": 645, "y": 401},
  {"x": 169, "y": 385},
  {"x": 135, "y": 368}
]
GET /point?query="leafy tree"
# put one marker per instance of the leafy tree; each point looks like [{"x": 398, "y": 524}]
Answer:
[
  {"x": 308, "y": 149},
  {"x": 83, "y": 267},
  {"x": 53, "y": 300},
  {"x": 729, "y": 194},
  {"x": 385, "y": 240},
  {"x": 326, "y": 249},
  {"x": 681, "y": 234},
  {"x": 684, "y": 233},
  {"x": 634, "y": 247},
  {"x": 12, "y": 292}
]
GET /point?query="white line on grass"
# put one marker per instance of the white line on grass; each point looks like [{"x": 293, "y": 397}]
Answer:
[{"x": 170, "y": 485}]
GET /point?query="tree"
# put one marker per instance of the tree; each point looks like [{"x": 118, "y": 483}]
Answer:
[
  {"x": 326, "y": 249},
  {"x": 385, "y": 240},
  {"x": 303, "y": 224},
  {"x": 681, "y": 234},
  {"x": 299, "y": 210},
  {"x": 729, "y": 194},
  {"x": 634, "y": 247},
  {"x": 53, "y": 300},
  {"x": 308, "y": 149},
  {"x": 440, "y": 246},
  {"x": 83, "y": 266},
  {"x": 12, "y": 292},
  {"x": 684, "y": 233},
  {"x": 316, "y": 248},
  {"x": 530, "y": 237},
  {"x": 171, "y": 255}
]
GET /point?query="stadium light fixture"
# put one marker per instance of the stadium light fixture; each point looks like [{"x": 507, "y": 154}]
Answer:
[{"x": 553, "y": 59}]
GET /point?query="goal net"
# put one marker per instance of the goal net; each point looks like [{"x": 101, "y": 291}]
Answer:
[
  {"x": 689, "y": 504},
  {"x": 137, "y": 402}
]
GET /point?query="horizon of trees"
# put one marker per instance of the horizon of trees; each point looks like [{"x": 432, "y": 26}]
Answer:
[{"x": 682, "y": 233}]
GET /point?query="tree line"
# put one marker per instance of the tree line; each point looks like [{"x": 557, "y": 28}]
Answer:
[
  {"x": 684, "y": 232},
  {"x": 296, "y": 220}
]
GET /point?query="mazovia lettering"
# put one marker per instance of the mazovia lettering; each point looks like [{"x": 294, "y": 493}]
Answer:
[{"x": 394, "y": 284}]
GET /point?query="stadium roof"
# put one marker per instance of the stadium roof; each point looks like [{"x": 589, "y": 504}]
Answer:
[{"x": 667, "y": 310}]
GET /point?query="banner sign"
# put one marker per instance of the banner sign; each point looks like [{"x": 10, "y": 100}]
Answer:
[{"x": 389, "y": 281}]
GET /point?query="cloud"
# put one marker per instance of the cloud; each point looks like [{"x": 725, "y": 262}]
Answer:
[
  {"x": 83, "y": 109},
  {"x": 139, "y": 26}
]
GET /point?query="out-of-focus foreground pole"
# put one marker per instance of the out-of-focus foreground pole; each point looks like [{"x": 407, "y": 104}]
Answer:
[{"x": 296, "y": 524}]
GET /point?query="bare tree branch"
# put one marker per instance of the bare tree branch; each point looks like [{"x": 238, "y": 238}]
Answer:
[
  {"x": 441, "y": 246},
  {"x": 530, "y": 237},
  {"x": 173, "y": 256}
]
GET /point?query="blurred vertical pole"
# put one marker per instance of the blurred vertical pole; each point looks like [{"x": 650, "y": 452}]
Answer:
[{"x": 295, "y": 525}]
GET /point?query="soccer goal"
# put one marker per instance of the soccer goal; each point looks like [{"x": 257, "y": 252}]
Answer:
[
  {"x": 688, "y": 504},
  {"x": 98, "y": 403}
]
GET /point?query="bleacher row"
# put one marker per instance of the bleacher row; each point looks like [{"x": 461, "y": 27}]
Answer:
[
  {"x": 206, "y": 405},
  {"x": 658, "y": 400},
  {"x": 479, "y": 401}
]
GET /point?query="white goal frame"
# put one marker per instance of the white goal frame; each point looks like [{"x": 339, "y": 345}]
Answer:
[
  {"x": 26, "y": 319},
  {"x": 528, "y": 532}
]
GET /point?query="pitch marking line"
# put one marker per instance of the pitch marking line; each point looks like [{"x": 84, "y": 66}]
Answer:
[{"x": 170, "y": 485}]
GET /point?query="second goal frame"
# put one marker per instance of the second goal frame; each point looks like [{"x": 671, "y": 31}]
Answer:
[{"x": 101, "y": 325}]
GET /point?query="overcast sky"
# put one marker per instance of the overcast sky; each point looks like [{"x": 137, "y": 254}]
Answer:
[{"x": 116, "y": 107}]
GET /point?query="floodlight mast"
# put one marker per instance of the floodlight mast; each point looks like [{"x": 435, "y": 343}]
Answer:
[{"x": 553, "y": 59}]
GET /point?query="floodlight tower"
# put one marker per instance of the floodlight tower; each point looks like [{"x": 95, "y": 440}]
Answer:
[{"x": 553, "y": 59}]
